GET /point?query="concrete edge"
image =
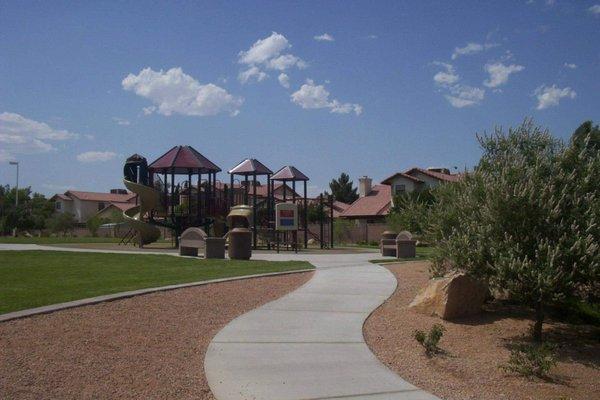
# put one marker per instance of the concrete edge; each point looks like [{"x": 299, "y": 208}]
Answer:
[{"x": 124, "y": 295}]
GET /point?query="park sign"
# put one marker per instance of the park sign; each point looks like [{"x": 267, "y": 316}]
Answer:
[{"x": 286, "y": 217}]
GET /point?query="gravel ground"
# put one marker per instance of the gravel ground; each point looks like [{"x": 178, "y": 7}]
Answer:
[
  {"x": 475, "y": 347},
  {"x": 145, "y": 347}
]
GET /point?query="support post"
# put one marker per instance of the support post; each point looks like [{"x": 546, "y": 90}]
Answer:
[
  {"x": 254, "y": 210},
  {"x": 305, "y": 219},
  {"x": 232, "y": 192},
  {"x": 199, "y": 198},
  {"x": 321, "y": 219},
  {"x": 189, "y": 197},
  {"x": 331, "y": 221}
]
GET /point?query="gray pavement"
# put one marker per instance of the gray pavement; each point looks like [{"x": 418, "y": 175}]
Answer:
[{"x": 309, "y": 343}]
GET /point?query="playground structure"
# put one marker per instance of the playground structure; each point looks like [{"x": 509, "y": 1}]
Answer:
[{"x": 200, "y": 200}]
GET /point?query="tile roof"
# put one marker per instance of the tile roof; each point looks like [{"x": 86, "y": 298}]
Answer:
[
  {"x": 388, "y": 180},
  {"x": 434, "y": 174},
  {"x": 376, "y": 203},
  {"x": 105, "y": 197}
]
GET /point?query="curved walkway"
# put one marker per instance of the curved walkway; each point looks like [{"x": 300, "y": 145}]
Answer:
[{"x": 309, "y": 344}]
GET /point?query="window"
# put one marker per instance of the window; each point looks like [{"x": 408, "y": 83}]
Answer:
[
  {"x": 399, "y": 189},
  {"x": 58, "y": 205},
  {"x": 101, "y": 206}
]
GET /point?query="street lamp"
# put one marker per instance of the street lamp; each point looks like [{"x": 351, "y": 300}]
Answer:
[{"x": 17, "y": 188}]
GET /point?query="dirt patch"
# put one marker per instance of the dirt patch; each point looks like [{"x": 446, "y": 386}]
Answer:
[
  {"x": 145, "y": 347},
  {"x": 475, "y": 347}
]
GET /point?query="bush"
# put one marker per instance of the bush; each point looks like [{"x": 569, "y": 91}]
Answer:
[
  {"x": 93, "y": 224},
  {"x": 341, "y": 230},
  {"x": 525, "y": 220},
  {"x": 430, "y": 340},
  {"x": 61, "y": 222},
  {"x": 531, "y": 360},
  {"x": 410, "y": 212}
]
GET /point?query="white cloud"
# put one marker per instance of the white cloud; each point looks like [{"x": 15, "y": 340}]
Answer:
[
  {"x": 447, "y": 77},
  {"x": 174, "y": 92},
  {"x": 267, "y": 54},
  {"x": 471, "y": 48},
  {"x": 549, "y": 96},
  {"x": 96, "y": 156},
  {"x": 465, "y": 96},
  {"x": 284, "y": 80},
  {"x": 499, "y": 73},
  {"x": 372, "y": 36},
  {"x": 570, "y": 65},
  {"x": 326, "y": 37},
  {"x": 252, "y": 73},
  {"x": 594, "y": 10},
  {"x": 121, "y": 121},
  {"x": 20, "y": 135},
  {"x": 312, "y": 96}
]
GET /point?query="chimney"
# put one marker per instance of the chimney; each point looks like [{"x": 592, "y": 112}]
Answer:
[{"x": 364, "y": 186}]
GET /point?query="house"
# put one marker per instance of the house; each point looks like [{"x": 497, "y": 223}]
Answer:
[
  {"x": 375, "y": 201},
  {"x": 84, "y": 205},
  {"x": 419, "y": 179}
]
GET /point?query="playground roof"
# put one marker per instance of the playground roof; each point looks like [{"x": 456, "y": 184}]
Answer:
[
  {"x": 183, "y": 160},
  {"x": 289, "y": 173},
  {"x": 250, "y": 166}
]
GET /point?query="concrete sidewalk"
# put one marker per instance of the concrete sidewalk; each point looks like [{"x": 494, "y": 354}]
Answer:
[{"x": 309, "y": 344}]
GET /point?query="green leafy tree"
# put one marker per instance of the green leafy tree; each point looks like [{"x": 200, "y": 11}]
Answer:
[
  {"x": 410, "y": 211},
  {"x": 526, "y": 220},
  {"x": 93, "y": 224},
  {"x": 343, "y": 189},
  {"x": 61, "y": 223}
]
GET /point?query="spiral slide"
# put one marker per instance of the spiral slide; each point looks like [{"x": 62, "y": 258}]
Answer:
[{"x": 148, "y": 199}]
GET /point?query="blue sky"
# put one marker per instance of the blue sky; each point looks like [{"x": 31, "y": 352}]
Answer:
[{"x": 363, "y": 87}]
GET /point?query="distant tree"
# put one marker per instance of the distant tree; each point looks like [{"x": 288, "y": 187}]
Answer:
[
  {"x": 93, "y": 224},
  {"x": 586, "y": 131},
  {"x": 343, "y": 189},
  {"x": 61, "y": 222}
]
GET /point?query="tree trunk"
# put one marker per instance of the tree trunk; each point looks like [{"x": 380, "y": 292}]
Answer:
[{"x": 539, "y": 320}]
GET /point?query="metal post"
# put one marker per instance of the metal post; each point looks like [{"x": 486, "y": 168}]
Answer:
[
  {"x": 254, "y": 209},
  {"x": 189, "y": 193},
  {"x": 304, "y": 217},
  {"x": 268, "y": 211},
  {"x": 199, "y": 198},
  {"x": 331, "y": 221},
  {"x": 166, "y": 193},
  {"x": 232, "y": 192},
  {"x": 173, "y": 195},
  {"x": 321, "y": 219}
]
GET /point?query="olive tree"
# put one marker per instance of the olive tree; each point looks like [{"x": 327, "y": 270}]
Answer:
[{"x": 526, "y": 220}]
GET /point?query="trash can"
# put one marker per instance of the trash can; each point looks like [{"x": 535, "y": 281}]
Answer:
[
  {"x": 215, "y": 247},
  {"x": 406, "y": 247},
  {"x": 240, "y": 244},
  {"x": 387, "y": 244}
]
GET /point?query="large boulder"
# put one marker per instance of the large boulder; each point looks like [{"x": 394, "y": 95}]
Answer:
[{"x": 453, "y": 296}]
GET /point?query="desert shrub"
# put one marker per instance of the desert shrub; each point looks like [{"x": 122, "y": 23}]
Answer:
[
  {"x": 525, "y": 220},
  {"x": 430, "y": 340},
  {"x": 410, "y": 211},
  {"x": 531, "y": 360},
  {"x": 341, "y": 230}
]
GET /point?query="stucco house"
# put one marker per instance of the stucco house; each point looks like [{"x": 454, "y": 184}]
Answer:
[
  {"x": 84, "y": 205},
  {"x": 375, "y": 201}
]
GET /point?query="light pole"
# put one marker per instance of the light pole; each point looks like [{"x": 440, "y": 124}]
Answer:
[{"x": 17, "y": 187}]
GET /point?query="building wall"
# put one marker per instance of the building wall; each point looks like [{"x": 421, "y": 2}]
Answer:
[
  {"x": 429, "y": 181},
  {"x": 65, "y": 206},
  {"x": 84, "y": 210},
  {"x": 409, "y": 185}
]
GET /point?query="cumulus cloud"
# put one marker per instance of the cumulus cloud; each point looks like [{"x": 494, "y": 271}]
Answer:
[
  {"x": 284, "y": 80},
  {"x": 252, "y": 73},
  {"x": 471, "y": 48},
  {"x": 174, "y": 92},
  {"x": 267, "y": 54},
  {"x": 326, "y": 37},
  {"x": 20, "y": 135},
  {"x": 464, "y": 96},
  {"x": 594, "y": 10},
  {"x": 121, "y": 121},
  {"x": 313, "y": 96},
  {"x": 96, "y": 156},
  {"x": 570, "y": 65},
  {"x": 549, "y": 96},
  {"x": 499, "y": 73},
  {"x": 447, "y": 77}
]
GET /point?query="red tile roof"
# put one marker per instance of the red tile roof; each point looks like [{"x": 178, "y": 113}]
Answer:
[
  {"x": 376, "y": 203},
  {"x": 103, "y": 197},
  {"x": 437, "y": 175},
  {"x": 121, "y": 206},
  {"x": 388, "y": 180}
]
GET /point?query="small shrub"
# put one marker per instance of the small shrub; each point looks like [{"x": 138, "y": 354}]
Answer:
[
  {"x": 430, "y": 340},
  {"x": 531, "y": 360}
]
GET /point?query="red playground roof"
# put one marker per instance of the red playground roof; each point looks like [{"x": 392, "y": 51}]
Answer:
[
  {"x": 289, "y": 173},
  {"x": 183, "y": 160},
  {"x": 250, "y": 166}
]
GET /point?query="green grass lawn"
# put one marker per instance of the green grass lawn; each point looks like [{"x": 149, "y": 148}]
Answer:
[
  {"x": 36, "y": 278},
  {"x": 423, "y": 253}
]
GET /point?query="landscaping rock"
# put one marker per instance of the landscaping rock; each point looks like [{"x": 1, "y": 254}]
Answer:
[{"x": 452, "y": 296}]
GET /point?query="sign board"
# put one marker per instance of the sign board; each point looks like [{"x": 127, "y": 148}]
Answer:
[{"x": 286, "y": 217}]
